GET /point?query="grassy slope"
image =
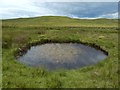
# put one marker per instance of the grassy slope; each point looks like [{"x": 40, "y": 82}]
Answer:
[
  {"x": 17, "y": 33},
  {"x": 49, "y": 21}
]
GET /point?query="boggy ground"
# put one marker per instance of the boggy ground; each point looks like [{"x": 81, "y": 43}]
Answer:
[{"x": 20, "y": 32}]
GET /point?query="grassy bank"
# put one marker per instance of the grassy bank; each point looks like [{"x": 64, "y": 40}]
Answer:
[{"x": 21, "y": 32}]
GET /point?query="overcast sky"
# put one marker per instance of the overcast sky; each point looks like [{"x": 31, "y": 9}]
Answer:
[{"x": 71, "y": 8}]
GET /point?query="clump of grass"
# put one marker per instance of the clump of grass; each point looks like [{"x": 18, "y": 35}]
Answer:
[
  {"x": 7, "y": 42},
  {"x": 56, "y": 82}
]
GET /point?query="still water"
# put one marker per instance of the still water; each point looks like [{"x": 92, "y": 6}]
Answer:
[{"x": 61, "y": 56}]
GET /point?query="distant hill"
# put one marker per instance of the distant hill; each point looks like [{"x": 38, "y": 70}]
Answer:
[{"x": 59, "y": 21}]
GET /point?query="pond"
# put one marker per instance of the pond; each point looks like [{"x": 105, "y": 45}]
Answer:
[{"x": 54, "y": 56}]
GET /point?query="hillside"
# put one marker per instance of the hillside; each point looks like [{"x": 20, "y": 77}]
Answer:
[{"x": 58, "y": 21}]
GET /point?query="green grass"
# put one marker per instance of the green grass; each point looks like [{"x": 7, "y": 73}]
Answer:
[{"x": 20, "y": 32}]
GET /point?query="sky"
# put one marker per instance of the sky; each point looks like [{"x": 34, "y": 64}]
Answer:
[{"x": 88, "y": 9}]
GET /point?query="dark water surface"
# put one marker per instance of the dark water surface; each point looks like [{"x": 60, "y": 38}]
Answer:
[{"x": 57, "y": 56}]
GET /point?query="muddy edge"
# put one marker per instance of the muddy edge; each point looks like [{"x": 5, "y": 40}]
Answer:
[{"x": 23, "y": 50}]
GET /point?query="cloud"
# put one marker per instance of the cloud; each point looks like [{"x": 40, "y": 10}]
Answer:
[
  {"x": 83, "y": 9},
  {"x": 21, "y": 8},
  {"x": 112, "y": 15},
  {"x": 33, "y": 8},
  {"x": 108, "y": 16}
]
